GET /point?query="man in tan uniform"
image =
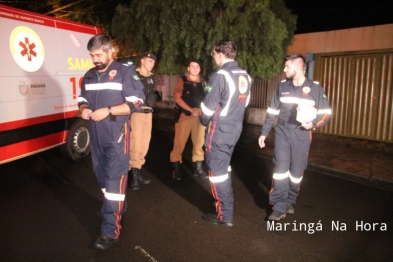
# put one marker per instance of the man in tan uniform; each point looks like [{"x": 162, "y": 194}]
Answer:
[
  {"x": 141, "y": 122},
  {"x": 188, "y": 94}
]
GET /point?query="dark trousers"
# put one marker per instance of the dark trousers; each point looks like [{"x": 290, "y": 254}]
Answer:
[
  {"x": 291, "y": 146},
  {"x": 220, "y": 142},
  {"x": 110, "y": 165}
]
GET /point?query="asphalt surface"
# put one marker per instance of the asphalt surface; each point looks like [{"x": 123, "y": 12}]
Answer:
[{"x": 50, "y": 212}]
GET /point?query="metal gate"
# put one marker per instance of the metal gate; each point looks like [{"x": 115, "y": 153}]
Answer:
[{"x": 359, "y": 89}]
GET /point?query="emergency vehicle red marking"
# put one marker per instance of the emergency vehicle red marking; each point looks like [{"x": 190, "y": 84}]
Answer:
[
  {"x": 29, "y": 147},
  {"x": 17, "y": 14},
  {"x": 36, "y": 120},
  {"x": 73, "y": 81}
]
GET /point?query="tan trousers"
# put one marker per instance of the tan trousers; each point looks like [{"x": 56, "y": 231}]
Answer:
[
  {"x": 141, "y": 124},
  {"x": 183, "y": 128}
]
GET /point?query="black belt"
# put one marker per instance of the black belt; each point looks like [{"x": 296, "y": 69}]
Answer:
[{"x": 145, "y": 110}]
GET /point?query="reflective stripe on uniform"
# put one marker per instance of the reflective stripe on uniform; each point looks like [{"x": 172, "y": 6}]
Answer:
[
  {"x": 133, "y": 99},
  {"x": 232, "y": 89},
  {"x": 104, "y": 86},
  {"x": 324, "y": 111},
  {"x": 218, "y": 179},
  {"x": 281, "y": 176},
  {"x": 289, "y": 100},
  {"x": 272, "y": 111},
  {"x": 206, "y": 110},
  {"x": 249, "y": 93},
  {"x": 115, "y": 197},
  {"x": 295, "y": 180},
  {"x": 81, "y": 99}
]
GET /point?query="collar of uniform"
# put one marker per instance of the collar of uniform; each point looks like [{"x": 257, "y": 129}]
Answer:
[
  {"x": 305, "y": 83},
  {"x": 111, "y": 66},
  {"x": 138, "y": 70},
  {"x": 198, "y": 81},
  {"x": 229, "y": 64}
]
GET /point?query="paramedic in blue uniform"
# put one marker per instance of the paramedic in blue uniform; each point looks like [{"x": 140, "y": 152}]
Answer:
[
  {"x": 292, "y": 138},
  {"x": 110, "y": 92},
  {"x": 228, "y": 94}
]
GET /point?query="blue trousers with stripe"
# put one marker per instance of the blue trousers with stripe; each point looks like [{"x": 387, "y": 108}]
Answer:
[{"x": 220, "y": 141}]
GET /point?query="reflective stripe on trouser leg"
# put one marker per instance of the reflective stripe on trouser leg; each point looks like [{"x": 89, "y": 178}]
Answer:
[
  {"x": 281, "y": 160},
  {"x": 115, "y": 203},
  {"x": 279, "y": 191},
  {"x": 220, "y": 143},
  {"x": 300, "y": 145},
  {"x": 294, "y": 186},
  {"x": 114, "y": 207},
  {"x": 223, "y": 194}
]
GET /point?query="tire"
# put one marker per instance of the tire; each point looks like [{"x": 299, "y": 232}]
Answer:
[{"x": 77, "y": 146}]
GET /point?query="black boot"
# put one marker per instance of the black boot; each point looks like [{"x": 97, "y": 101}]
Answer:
[
  {"x": 133, "y": 182},
  {"x": 141, "y": 179},
  {"x": 198, "y": 170},
  {"x": 176, "y": 171}
]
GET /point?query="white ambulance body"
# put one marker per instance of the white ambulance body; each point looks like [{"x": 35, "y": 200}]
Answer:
[{"x": 43, "y": 60}]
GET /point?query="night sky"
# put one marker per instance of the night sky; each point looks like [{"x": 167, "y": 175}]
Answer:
[{"x": 326, "y": 15}]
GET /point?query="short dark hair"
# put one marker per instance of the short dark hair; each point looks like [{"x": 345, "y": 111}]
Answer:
[
  {"x": 227, "y": 47},
  {"x": 103, "y": 42},
  {"x": 294, "y": 56},
  {"x": 195, "y": 61}
]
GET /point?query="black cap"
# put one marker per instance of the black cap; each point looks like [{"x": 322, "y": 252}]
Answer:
[
  {"x": 195, "y": 61},
  {"x": 149, "y": 55}
]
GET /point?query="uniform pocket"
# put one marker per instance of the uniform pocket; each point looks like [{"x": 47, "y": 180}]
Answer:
[{"x": 227, "y": 135}]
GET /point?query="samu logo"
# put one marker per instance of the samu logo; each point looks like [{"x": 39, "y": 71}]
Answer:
[{"x": 27, "y": 49}]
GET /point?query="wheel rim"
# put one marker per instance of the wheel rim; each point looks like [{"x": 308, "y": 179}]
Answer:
[{"x": 81, "y": 140}]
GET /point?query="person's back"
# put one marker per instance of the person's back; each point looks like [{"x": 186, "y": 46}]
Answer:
[
  {"x": 234, "y": 85},
  {"x": 228, "y": 94}
]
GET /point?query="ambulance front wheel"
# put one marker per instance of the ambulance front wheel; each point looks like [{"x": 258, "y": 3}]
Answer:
[{"x": 77, "y": 145}]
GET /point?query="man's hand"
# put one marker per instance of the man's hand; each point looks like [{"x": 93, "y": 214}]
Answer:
[
  {"x": 86, "y": 113},
  {"x": 196, "y": 111},
  {"x": 261, "y": 141},
  {"x": 99, "y": 114}
]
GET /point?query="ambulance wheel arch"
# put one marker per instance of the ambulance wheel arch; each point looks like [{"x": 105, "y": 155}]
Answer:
[{"x": 77, "y": 145}]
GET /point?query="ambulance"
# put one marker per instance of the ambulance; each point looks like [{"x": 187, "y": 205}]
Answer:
[{"x": 43, "y": 60}]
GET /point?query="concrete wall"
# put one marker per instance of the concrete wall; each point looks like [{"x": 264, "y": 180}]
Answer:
[{"x": 353, "y": 39}]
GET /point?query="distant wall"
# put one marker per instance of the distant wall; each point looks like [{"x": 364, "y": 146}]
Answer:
[{"x": 353, "y": 39}]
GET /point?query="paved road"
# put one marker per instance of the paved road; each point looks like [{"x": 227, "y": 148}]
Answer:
[{"x": 50, "y": 212}]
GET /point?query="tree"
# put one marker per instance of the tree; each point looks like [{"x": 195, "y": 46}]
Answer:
[{"x": 177, "y": 30}]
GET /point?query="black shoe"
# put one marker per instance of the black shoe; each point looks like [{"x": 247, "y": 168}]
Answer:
[
  {"x": 133, "y": 179},
  {"x": 198, "y": 170},
  {"x": 176, "y": 171},
  {"x": 276, "y": 216},
  {"x": 290, "y": 209},
  {"x": 143, "y": 180},
  {"x": 212, "y": 218},
  {"x": 104, "y": 242}
]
